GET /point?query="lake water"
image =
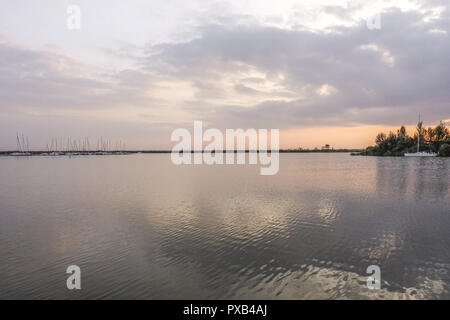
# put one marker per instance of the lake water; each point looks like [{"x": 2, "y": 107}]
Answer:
[{"x": 140, "y": 227}]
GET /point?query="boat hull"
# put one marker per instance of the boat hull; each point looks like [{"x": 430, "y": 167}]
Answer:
[{"x": 421, "y": 154}]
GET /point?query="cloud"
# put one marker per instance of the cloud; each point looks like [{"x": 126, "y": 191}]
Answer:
[
  {"x": 52, "y": 81},
  {"x": 362, "y": 76},
  {"x": 235, "y": 69}
]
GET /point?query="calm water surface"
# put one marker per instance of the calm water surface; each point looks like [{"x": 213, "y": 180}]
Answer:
[{"x": 140, "y": 227}]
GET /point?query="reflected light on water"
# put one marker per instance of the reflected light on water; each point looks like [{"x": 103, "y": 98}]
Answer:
[{"x": 140, "y": 227}]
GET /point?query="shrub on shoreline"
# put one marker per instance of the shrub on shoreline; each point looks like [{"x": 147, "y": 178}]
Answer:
[{"x": 397, "y": 144}]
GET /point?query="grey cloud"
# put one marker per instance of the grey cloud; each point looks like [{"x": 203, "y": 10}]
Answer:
[
  {"x": 46, "y": 94},
  {"x": 47, "y": 80},
  {"x": 382, "y": 76},
  {"x": 407, "y": 73}
]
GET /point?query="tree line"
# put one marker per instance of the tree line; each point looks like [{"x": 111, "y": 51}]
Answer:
[{"x": 435, "y": 139}]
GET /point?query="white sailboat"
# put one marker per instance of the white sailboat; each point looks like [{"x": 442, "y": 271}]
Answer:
[{"x": 418, "y": 153}]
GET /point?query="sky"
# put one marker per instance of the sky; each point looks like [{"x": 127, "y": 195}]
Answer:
[{"x": 136, "y": 70}]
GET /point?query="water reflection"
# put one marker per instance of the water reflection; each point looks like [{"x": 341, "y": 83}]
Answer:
[
  {"x": 413, "y": 178},
  {"x": 141, "y": 228}
]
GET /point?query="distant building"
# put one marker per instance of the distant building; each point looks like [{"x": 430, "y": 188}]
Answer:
[{"x": 326, "y": 147}]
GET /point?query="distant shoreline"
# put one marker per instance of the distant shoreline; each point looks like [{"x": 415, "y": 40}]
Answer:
[{"x": 123, "y": 152}]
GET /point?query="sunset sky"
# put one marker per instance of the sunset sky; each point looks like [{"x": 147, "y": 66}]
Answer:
[{"x": 136, "y": 69}]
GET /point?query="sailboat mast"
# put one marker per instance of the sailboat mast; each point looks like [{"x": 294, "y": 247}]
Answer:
[
  {"x": 418, "y": 134},
  {"x": 18, "y": 143}
]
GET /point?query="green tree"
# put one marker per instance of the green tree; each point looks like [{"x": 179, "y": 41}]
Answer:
[
  {"x": 397, "y": 144},
  {"x": 444, "y": 150},
  {"x": 434, "y": 138},
  {"x": 401, "y": 133},
  {"x": 381, "y": 137},
  {"x": 440, "y": 134}
]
